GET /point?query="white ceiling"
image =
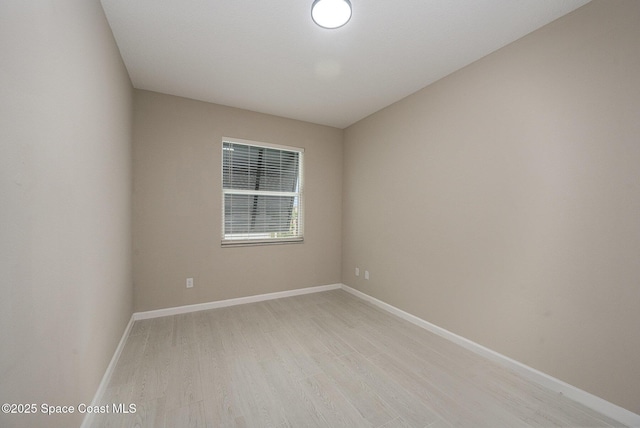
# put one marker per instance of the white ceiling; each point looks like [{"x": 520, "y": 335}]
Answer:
[{"x": 269, "y": 56}]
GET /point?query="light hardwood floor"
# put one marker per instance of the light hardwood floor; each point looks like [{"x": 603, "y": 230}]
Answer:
[{"x": 319, "y": 360}]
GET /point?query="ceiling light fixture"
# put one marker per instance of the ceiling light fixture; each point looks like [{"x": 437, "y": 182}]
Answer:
[{"x": 331, "y": 13}]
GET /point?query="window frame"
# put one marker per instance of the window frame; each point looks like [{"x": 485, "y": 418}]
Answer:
[{"x": 234, "y": 242}]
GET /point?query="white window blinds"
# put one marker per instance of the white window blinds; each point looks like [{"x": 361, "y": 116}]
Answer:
[{"x": 262, "y": 193}]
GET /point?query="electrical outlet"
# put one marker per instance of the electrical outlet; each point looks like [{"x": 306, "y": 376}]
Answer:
[
  {"x": 366, "y": 274},
  {"x": 357, "y": 271},
  {"x": 189, "y": 282}
]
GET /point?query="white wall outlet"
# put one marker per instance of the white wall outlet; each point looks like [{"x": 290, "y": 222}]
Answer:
[
  {"x": 366, "y": 274},
  {"x": 189, "y": 282},
  {"x": 357, "y": 271}
]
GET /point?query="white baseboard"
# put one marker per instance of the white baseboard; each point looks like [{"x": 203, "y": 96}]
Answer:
[
  {"x": 232, "y": 302},
  {"x": 596, "y": 403},
  {"x": 97, "y": 398}
]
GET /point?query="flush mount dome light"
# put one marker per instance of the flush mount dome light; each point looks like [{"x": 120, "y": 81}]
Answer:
[{"x": 331, "y": 13}]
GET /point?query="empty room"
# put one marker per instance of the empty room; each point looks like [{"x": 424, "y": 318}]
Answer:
[{"x": 320, "y": 213}]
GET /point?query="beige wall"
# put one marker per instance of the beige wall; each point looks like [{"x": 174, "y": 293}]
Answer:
[
  {"x": 177, "y": 205},
  {"x": 503, "y": 202},
  {"x": 65, "y": 204}
]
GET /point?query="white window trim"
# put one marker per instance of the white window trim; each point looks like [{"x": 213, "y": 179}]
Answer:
[{"x": 237, "y": 242}]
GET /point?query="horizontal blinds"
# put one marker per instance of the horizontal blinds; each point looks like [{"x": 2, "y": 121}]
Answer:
[{"x": 262, "y": 192}]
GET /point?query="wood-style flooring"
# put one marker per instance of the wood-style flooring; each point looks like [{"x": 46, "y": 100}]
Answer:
[{"x": 319, "y": 360}]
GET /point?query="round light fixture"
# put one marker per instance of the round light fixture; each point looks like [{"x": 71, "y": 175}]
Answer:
[{"x": 331, "y": 13}]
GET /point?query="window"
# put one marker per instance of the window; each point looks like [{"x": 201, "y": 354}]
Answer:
[{"x": 262, "y": 191}]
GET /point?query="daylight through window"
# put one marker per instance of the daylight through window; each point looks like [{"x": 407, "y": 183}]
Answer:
[{"x": 262, "y": 190}]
